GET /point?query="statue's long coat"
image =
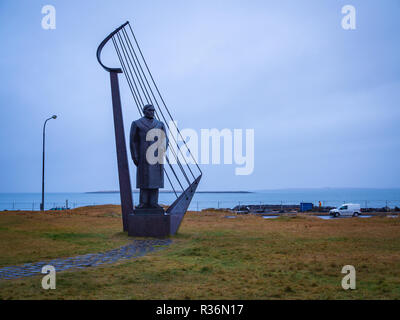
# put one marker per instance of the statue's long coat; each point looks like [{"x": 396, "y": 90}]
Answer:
[{"x": 148, "y": 176}]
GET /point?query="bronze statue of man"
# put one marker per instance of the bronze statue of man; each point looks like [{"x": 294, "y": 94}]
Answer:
[{"x": 148, "y": 142}]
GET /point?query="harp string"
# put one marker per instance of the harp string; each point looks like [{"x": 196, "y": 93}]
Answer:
[
  {"x": 148, "y": 98},
  {"x": 127, "y": 75},
  {"x": 142, "y": 91},
  {"x": 128, "y": 61},
  {"x": 158, "y": 91},
  {"x": 137, "y": 102},
  {"x": 124, "y": 55},
  {"x": 157, "y": 104}
]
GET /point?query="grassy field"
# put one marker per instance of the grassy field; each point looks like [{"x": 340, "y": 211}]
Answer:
[{"x": 211, "y": 258}]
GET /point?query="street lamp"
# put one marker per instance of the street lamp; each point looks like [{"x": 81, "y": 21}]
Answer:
[{"x": 44, "y": 130}]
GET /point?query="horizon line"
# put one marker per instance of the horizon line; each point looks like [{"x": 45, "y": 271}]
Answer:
[{"x": 217, "y": 191}]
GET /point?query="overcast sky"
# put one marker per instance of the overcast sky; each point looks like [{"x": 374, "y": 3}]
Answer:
[{"x": 323, "y": 101}]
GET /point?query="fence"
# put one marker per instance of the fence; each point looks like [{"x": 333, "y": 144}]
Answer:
[
  {"x": 203, "y": 204},
  {"x": 223, "y": 204},
  {"x": 34, "y": 205}
]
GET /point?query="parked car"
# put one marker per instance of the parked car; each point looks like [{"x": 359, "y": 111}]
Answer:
[{"x": 347, "y": 209}]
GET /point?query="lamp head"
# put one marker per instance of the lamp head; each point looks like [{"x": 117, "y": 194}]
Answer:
[{"x": 54, "y": 117}]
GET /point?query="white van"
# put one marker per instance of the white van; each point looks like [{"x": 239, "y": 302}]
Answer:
[{"x": 347, "y": 209}]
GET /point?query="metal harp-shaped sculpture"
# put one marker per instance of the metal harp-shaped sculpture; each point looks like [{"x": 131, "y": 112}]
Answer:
[{"x": 181, "y": 169}]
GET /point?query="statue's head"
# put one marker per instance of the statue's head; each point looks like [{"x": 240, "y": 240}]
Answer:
[{"x": 148, "y": 111}]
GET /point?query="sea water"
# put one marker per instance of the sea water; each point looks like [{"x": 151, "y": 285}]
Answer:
[{"x": 367, "y": 198}]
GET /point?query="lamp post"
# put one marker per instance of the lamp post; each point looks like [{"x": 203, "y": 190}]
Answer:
[{"x": 44, "y": 130}]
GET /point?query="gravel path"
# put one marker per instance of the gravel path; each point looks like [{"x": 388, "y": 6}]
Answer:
[{"x": 136, "y": 249}]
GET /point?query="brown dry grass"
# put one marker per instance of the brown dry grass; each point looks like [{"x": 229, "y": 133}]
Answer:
[
  {"x": 35, "y": 236},
  {"x": 216, "y": 258}
]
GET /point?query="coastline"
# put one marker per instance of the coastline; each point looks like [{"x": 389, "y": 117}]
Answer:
[{"x": 168, "y": 191}]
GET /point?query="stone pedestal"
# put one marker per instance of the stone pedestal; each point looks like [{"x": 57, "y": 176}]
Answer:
[
  {"x": 148, "y": 211},
  {"x": 149, "y": 223}
]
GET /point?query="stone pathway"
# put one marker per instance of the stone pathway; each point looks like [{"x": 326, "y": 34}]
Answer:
[{"x": 136, "y": 249}]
